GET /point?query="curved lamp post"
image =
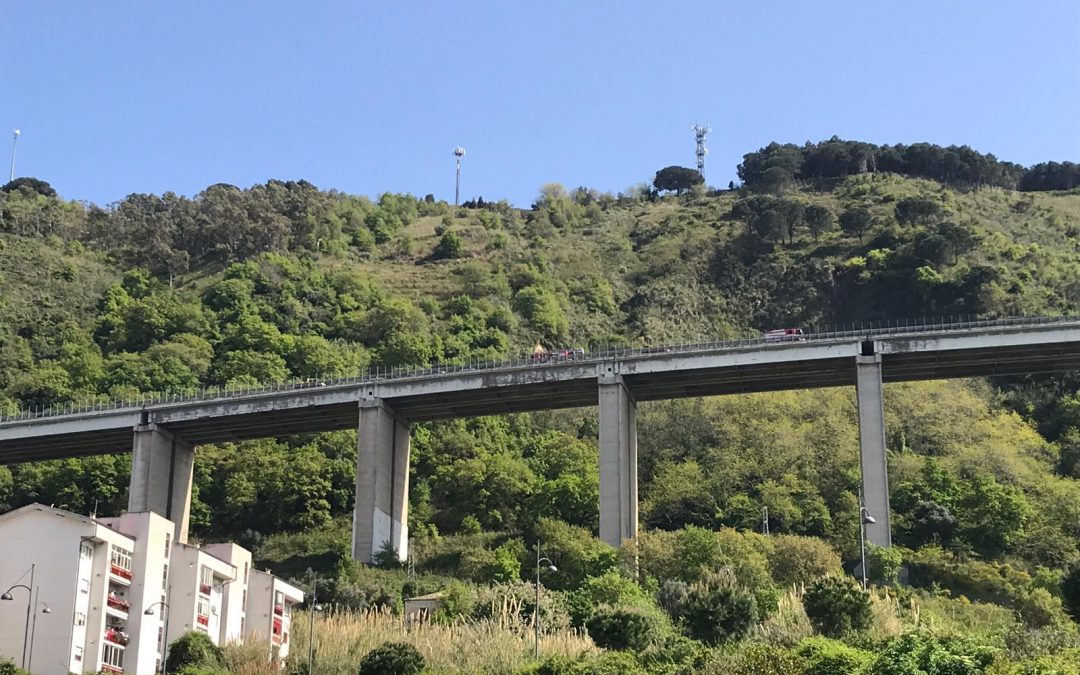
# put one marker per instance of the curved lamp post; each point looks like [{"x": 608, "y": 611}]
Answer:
[
  {"x": 149, "y": 611},
  {"x": 26, "y": 627},
  {"x": 315, "y": 607},
  {"x": 864, "y": 519},
  {"x": 33, "y": 627},
  {"x": 536, "y": 612}
]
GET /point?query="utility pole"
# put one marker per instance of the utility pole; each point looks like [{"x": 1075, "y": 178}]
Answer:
[
  {"x": 459, "y": 152},
  {"x": 15, "y": 141}
]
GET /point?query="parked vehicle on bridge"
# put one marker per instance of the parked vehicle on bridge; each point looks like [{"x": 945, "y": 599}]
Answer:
[
  {"x": 541, "y": 354},
  {"x": 784, "y": 335}
]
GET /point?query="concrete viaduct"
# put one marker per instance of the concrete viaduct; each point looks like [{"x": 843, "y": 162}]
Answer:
[{"x": 382, "y": 409}]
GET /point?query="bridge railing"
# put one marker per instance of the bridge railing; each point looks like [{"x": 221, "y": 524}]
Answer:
[{"x": 376, "y": 374}]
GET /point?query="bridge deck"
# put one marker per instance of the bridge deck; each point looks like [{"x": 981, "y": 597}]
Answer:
[{"x": 826, "y": 361}]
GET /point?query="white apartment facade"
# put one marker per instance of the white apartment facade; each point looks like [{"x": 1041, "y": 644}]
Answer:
[
  {"x": 269, "y": 611},
  {"x": 119, "y": 590}
]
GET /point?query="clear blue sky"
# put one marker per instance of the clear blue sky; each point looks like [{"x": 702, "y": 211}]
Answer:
[{"x": 121, "y": 97}]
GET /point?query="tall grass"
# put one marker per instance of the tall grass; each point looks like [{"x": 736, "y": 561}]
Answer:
[{"x": 491, "y": 645}]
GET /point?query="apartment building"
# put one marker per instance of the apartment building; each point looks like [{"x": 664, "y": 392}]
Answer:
[
  {"x": 270, "y": 609},
  {"x": 118, "y": 590}
]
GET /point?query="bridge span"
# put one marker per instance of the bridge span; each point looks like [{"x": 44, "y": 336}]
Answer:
[{"x": 383, "y": 407}]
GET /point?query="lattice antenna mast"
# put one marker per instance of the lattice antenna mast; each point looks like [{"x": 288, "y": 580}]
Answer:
[
  {"x": 459, "y": 152},
  {"x": 700, "y": 132}
]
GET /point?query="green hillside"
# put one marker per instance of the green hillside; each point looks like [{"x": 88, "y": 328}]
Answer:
[{"x": 165, "y": 294}]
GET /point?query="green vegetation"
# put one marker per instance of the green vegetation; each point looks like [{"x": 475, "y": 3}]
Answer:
[{"x": 165, "y": 295}]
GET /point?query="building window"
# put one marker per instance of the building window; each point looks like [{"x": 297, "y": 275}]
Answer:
[
  {"x": 112, "y": 658},
  {"x": 78, "y": 653},
  {"x": 243, "y": 599},
  {"x": 121, "y": 558},
  {"x": 165, "y": 578},
  {"x": 245, "y": 573},
  {"x": 86, "y": 552},
  {"x": 206, "y": 577},
  {"x": 84, "y": 585},
  {"x": 203, "y": 614},
  {"x": 168, "y": 545},
  {"x": 80, "y": 619}
]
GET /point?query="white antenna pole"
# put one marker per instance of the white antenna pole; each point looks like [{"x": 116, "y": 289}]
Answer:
[
  {"x": 459, "y": 152},
  {"x": 15, "y": 134}
]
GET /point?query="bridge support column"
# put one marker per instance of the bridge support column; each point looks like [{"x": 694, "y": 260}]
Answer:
[
  {"x": 381, "y": 513},
  {"x": 162, "y": 468},
  {"x": 875, "y": 474},
  {"x": 618, "y": 461}
]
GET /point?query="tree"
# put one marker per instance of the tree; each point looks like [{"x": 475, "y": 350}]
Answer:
[
  {"x": 449, "y": 247},
  {"x": 1070, "y": 592},
  {"x": 718, "y": 611},
  {"x": 193, "y": 649},
  {"x": 855, "y": 221},
  {"x": 819, "y": 220},
  {"x": 630, "y": 628},
  {"x": 916, "y": 211},
  {"x": 28, "y": 185},
  {"x": 836, "y": 605},
  {"x": 677, "y": 178}
]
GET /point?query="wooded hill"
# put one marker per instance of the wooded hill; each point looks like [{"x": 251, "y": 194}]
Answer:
[{"x": 167, "y": 294}]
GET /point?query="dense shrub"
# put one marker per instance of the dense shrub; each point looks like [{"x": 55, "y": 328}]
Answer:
[
  {"x": 822, "y": 656},
  {"x": 392, "y": 658},
  {"x": 610, "y": 588},
  {"x": 623, "y": 627},
  {"x": 836, "y": 605},
  {"x": 193, "y": 649},
  {"x": 800, "y": 560},
  {"x": 8, "y": 667},
  {"x": 752, "y": 658},
  {"x": 608, "y": 663},
  {"x": 916, "y": 654},
  {"x": 883, "y": 564},
  {"x": 1039, "y": 609},
  {"x": 717, "y": 611},
  {"x": 999, "y": 583}
]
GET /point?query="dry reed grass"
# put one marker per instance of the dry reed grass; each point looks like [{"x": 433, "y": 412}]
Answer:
[{"x": 496, "y": 645}]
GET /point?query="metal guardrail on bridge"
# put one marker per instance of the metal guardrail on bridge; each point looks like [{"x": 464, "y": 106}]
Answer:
[{"x": 869, "y": 329}]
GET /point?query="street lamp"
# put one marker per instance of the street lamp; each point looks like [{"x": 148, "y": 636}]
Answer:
[
  {"x": 26, "y": 626},
  {"x": 536, "y": 612},
  {"x": 315, "y": 607},
  {"x": 864, "y": 519},
  {"x": 149, "y": 611}
]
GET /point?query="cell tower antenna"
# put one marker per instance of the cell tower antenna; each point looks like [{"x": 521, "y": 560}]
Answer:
[
  {"x": 15, "y": 141},
  {"x": 700, "y": 132},
  {"x": 459, "y": 152}
]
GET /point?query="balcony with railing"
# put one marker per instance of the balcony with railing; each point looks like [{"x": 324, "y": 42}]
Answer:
[
  {"x": 279, "y": 609},
  {"x": 118, "y": 605},
  {"x": 204, "y": 589},
  {"x": 116, "y": 636},
  {"x": 118, "y": 573},
  {"x": 202, "y": 619}
]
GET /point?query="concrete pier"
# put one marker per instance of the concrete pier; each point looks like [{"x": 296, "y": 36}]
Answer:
[
  {"x": 872, "y": 458},
  {"x": 381, "y": 512},
  {"x": 162, "y": 468},
  {"x": 618, "y": 461}
]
